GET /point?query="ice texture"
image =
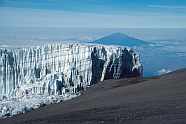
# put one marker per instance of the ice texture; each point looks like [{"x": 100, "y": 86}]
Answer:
[{"x": 31, "y": 77}]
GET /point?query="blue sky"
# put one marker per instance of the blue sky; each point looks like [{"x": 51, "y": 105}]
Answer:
[{"x": 94, "y": 13}]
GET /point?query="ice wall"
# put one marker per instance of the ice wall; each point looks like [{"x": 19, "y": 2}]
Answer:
[{"x": 57, "y": 69}]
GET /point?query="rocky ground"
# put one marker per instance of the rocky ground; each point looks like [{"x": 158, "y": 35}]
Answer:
[{"x": 158, "y": 100}]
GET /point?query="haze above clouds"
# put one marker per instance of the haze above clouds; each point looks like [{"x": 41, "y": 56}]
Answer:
[{"x": 93, "y": 13}]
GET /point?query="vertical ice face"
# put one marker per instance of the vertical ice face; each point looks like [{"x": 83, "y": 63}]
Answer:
[{"x": 56, "y": 69}]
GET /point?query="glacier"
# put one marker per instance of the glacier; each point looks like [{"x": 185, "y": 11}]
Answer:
[{"x": 31, "y": 77}]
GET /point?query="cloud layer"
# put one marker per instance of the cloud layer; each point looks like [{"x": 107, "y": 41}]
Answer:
[{"x": 26, "y": 17}]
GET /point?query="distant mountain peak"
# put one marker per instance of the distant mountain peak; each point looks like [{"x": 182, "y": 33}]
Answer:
[
  {"x": 118, "y": 34},
  {"x": 120, "y": 39}
]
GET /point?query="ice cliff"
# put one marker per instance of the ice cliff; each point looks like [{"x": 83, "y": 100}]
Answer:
[{"x": 60, "y": 70}]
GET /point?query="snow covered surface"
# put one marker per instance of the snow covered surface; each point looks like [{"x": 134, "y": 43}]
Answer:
[
  {"x": 163, "y": 71},
  {"x": 34, "y": 76}
]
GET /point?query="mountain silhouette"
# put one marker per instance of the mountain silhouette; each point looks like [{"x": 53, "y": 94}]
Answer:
[{"x": 120, "y": 39}]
